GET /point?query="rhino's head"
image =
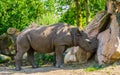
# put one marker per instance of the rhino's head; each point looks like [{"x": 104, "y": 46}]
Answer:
[{"x": 84, "y": 42}]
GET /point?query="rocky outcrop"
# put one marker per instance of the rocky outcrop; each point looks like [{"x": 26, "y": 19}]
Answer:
[
  {"x": 70, "y": 55},
  {"x": 109, "y": 42},
  {"x": 76, "y": 54},
  {"x": 82, "y": 56},
  {"x": 106, "y": 28}
]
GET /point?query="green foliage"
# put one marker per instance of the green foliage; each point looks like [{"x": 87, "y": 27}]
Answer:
[
  {"x": 94, "y": 6},
  {"x": 60, "y": 6},
  {"x": 49, "y": 6},
  {"x": 94, "y": 68},
  {"x": 18, "y": 13},
  {"x": 69, "y": 16},
  {"x": 47, "y": 19},
  {"x": 43, "y": 58}
]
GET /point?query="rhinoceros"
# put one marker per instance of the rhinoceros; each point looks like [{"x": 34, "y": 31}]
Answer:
[{"x": 53, "y": 38}]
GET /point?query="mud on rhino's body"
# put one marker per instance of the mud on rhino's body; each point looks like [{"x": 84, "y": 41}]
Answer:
[{"x": 45, "y": 39}]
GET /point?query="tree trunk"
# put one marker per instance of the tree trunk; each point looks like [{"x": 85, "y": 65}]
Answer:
[
  {"x": 106, "y": 28},
  {"x": 109, "y": 42},
  {"x": 87, "y": 10},
  {"x": 98, "y": 24},
  {"x": 78, "y": 15},
  {"x": 113, "y": 6}
]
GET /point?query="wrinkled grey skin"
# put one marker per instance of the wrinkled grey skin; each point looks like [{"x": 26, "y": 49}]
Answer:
[{"x": 46, "y": 39}]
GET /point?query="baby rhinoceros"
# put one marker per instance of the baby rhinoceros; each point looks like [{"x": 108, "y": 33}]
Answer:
[{"x": 54, "y": 38}]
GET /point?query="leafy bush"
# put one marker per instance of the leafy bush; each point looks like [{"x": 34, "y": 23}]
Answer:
[
  {"x": 47, "y": 19},
  {"x": 70, "y": 15},
  {"x": 43, "y": 58},
  {"x": 19, "y": 13}
]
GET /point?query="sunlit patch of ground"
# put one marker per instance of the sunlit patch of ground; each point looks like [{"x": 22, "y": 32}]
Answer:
[{"x": 90, "y": 68}]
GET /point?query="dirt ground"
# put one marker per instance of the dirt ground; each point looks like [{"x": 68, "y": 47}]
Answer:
[{"x": 73, "y": 69}]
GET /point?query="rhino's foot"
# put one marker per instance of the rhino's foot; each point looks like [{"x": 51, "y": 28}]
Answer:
[
  {"x": 35, "y": 66},
  {"x": 17, "y": 69},
  {"x": 58, "y": 66}
]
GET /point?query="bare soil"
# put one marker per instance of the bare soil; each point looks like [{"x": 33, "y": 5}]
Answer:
[{"x": 73, "y": 69}]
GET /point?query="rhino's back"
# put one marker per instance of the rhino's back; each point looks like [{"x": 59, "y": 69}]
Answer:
[{"x": 42, "y": 38}]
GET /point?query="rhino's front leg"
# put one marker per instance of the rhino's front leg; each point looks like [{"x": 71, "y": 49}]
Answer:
[
  {"x": 59, "y": 56},
  {"x": 54, "y": 63}
]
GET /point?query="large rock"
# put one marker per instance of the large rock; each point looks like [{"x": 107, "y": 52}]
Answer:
[
  {"x": 82, "y": 56},
  {"x": 109, "y": 42},
  {"x": 70, "y": 55},
  {"x": 76, "y": 54}
]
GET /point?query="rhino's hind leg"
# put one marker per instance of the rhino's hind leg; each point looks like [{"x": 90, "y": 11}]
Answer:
[
  {"x": 59, "y": 56},
  {"x": 30, "y": 55},
  {"x": 18, "y": 60},
  {"x": 22, "y": 47}
]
